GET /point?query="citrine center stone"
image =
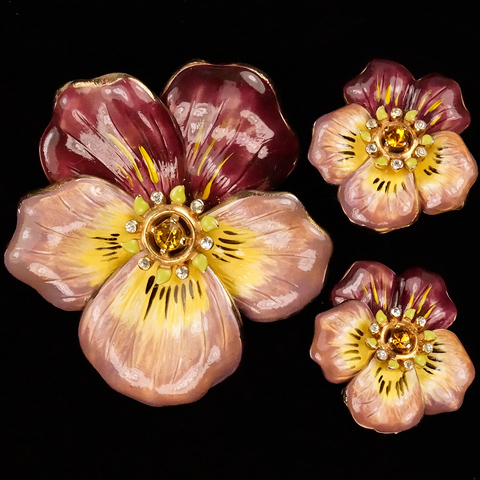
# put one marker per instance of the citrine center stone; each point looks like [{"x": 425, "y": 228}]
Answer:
[
  {"x": 396, "y": 137},
  {"x": 401, "y": 340},
  {"x": 169, "y": 235}
]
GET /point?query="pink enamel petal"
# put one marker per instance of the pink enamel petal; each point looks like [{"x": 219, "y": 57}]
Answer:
[
  {"x": 439, "y": 102},
  {"x": 426, "y": 292},
  {"x": 380, "y": 199},
  {"x": 269, "y": 254},
  {"x": 161, "y": 344},
  {"x": 337, "y": 149},
  {"x": 381, "y": 83},
  {"x": 388, "y": 401},
  {"x": 339, "y": 342},
  {"x": 114, "y": 128},
  {"x": 446, "y": 175},
  {"x": 235, "y": 135},
  {"x": 447, "y": 374},
  {"x": 370, "y": 282},
  {"x": 68, "y": 240}
]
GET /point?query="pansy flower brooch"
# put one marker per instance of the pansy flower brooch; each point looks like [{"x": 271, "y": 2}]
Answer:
[{"x": 157, "y": 225}]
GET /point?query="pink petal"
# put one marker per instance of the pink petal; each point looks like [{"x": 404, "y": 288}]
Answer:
[
  {"x": 388, "y": 401},
  {"x": 235, "y": 135},
  {"x": 337, "y": 149},
  {"x": 269, "y": 254},
  {"x": 114, "y": 128},
  {"x": 161, "y": 344},
  {"x": 427, "y": 293},
  {"x": 439, "y": 102},
  {"x": 339, "y": 342},
  {"x": 381, "y": 83},
  {"x": 68, "y": 240},
  {"x": 446, "y": 175},
  {"x": 370, "y": 282},
  {"x": 447, "y": 374},
  {"x": 383, "y": 200}
]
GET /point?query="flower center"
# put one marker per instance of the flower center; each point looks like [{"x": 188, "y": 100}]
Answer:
[
  {"x": 400, "y": 338},
  {"x": 397, "y": 138},
  {"x": 169, "y": 235}
]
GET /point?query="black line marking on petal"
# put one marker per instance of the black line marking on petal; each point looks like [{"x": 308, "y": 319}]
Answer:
[
  {"x": 434, "y": 170},
  {"x": 190, "y": 289},
  {"x": 428, "y": 371},
  {"x": 351, "y": 344},
  {"x": 431, "y": 366},
  {"x": 360, "y": 332},
  {"x": 380, "y": 185},
  {"x": 199, "y": 288},
  {"x": 351, "y": 351},
  {"x": 167, "y": 299},
  {"x": 382, "y": 384},
  {"x": 352, "y": 359},
  {"x": 229, "y": 242},
  {"x": 438, "y": 350},
  {"x": 175, "y": 294},
  {"x": 387, "y": 186},
  {"x": 162, "y": 293},
  {"x": 150, "y": 281},
  {"x": 376, "y": 180},
  {"x": 150, "y": 300},
  {"x": 347, "y": 153},
  {"x": 389, "y": 387},
  {"x": 233, "y": 256},
  {"x": 346, "y": 137},
  {"x": 229, "y": 232},
  {"x": 356, "y": 337},
  {"x": 116, "y": 247},
  {"x": 379, "y": 369},
  {"x": 183, "y": 296},
  {"x": 220, "y": 258},
  {"x": 114, "y": 234},
  {"x": 106, "y": 239},
  {"x": 427, "y": 172}
]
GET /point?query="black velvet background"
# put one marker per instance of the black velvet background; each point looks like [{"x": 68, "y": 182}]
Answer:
[{"x": 276, "y": 417}]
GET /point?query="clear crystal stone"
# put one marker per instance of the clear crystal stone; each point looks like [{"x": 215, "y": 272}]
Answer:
[
  {"x": 420, "y": 125},
  {"x": 374, "y": 328},
  {"x": 382, "y": 354},
  {"x": 396, "y": 112},
  {"x": 182, "y": 272},
  {"x": 371, "y": 148},
  {"x": 157, "y": 197},
  {"x": 197, "y": 205},
  {"x": 397, "y": 164},
  {"x": 408, "y": 364},
  {"x": 420, "y": 321},
  {"x": 428, "y": 348},
  {"x": 371, "y": 123},
  {"x": 206, "y": 243},
  {"x": 421, "y": 152},
  {"x": 131, "y": 226},
  {"x": 396, "y": 311},
  {"x": 144, "y": 263}
]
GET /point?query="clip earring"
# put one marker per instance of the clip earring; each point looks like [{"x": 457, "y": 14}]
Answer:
[{"x": 387, "y": 337}]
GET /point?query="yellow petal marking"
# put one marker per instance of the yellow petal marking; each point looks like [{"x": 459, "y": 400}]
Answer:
[
  {"x": 388, "y": 94},
  {"x": 435, "y": 105},
  {"x": 379, "y": 94},
  {"x": 374, "y": 289},
  {"x": 150, "y": 165},
  {"x": 435, "y": 119},
  {"x": 124, "y": 149},
  {"x": 423, "y": 99},
  {"x": 125, "y": 174},
  {"x": 197, "y": 140},
  {"x": 206, "y": 192},
  {"x": 422, "y": 300}
]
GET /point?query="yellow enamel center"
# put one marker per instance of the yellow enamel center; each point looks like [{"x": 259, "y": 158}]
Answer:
[
  {"x": 169, "y": 235},
  {"x": 396, "y": 138}
]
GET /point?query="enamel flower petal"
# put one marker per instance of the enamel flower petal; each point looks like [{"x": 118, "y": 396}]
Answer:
[{"x": 232, "y": 128}]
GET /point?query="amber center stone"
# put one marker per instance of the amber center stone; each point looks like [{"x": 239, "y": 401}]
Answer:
[
  {"x": 396, "y": 138},
  {"x": 169, "y": 235},
  {"x": 401, "y": 340}
]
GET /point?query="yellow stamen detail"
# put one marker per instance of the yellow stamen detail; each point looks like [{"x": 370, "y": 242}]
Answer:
[
  {"x": 427, "y": 140},
  {"x": 201, "y": 262},
  {"x": 410, "y": 115},
  {"x": 131, "y": 246},
  {"x": 388, "y": 94},
  {"x": 206, "y": 192},
  {"x": 205, "y": 155},
  {"x": 208, "y": 223},
  {"x": 125, "y": 174},
  {"x": 177, "y": 194},
  {"x": 381, "y": 113},
  {"x": 379, "y": 94},
  {"x": 434, "y": 106},
  {"x": 163, "y": 275},
  {"x": 411, "y": 163},
  {"x": 429, "y": 335},
  {"x": 124, "y": 149},
  {"x": 429, "y": 311},
  {"x": 365, "y": 136},
  {"x": 393, "y": 365},
  {"x": 420, "y": 360},
  {"x": 380, "y": 317},
  {"x": 150, "y": 165},
  {"x": 410, "y": 313},
  {"x": 371, "y": 342},
  {"x": 381, "y": 161},
  {"x": 140, "y": 205}
]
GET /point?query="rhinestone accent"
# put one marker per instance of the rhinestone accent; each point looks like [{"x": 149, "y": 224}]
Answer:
[
  {"x": 408, "y": 364},
  {"x": 396, "y": 112},
  {"x": 197, "y": 205},
  {"x": 397, "y": 164},
  {"x": 157, "y": 197},
  {"x": 131, "y": 226},
  {"x": 421, "y": 152},
  {"x": 371, "y": 123},
  {"x": 371, "y": 148},
  {"x": 144, "y": 263},
  {"x": 420, "y": 125},
  {"x": 381, "y": 354},
  {"x": 182, "y": 272},
  {"x": 206, "y": 243},
  {"x": 428, "y": 348},
  {"x": 396, "y": 311},
  {"x": 420, "y": 321},
  {"x": 374, "y": 328}
]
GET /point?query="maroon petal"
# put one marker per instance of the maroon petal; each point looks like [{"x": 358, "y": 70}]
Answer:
[
  {"x": 114, "y": 128},
  {"x": 381, "y": 83},
  {"x": 439, "y": 102},
  {"x": 371, "y": 282},
  {"x": 235, "y": 135},
  {"x": 426, "y": 292}
]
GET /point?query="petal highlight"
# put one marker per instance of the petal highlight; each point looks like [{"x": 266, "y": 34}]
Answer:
[
  {"x": 339, "y": 345},
  {"x": 69, "y": 238},
  {"x": 233, "y": 129},
  {"x": 161, "y": 343},
  {"x": 446, "y": 375},
  {"x": 268, "y": 253},
  {"x": 337, "y": 149},
  {"x": 114, "y": 128},
  {"x": 446, "y": 175}
]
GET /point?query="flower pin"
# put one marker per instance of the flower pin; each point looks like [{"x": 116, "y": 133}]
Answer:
[
  {"x": 387, "y": 337},
  {"x": 395, "y": 149},
  {"x": 157, "y": 226}
]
